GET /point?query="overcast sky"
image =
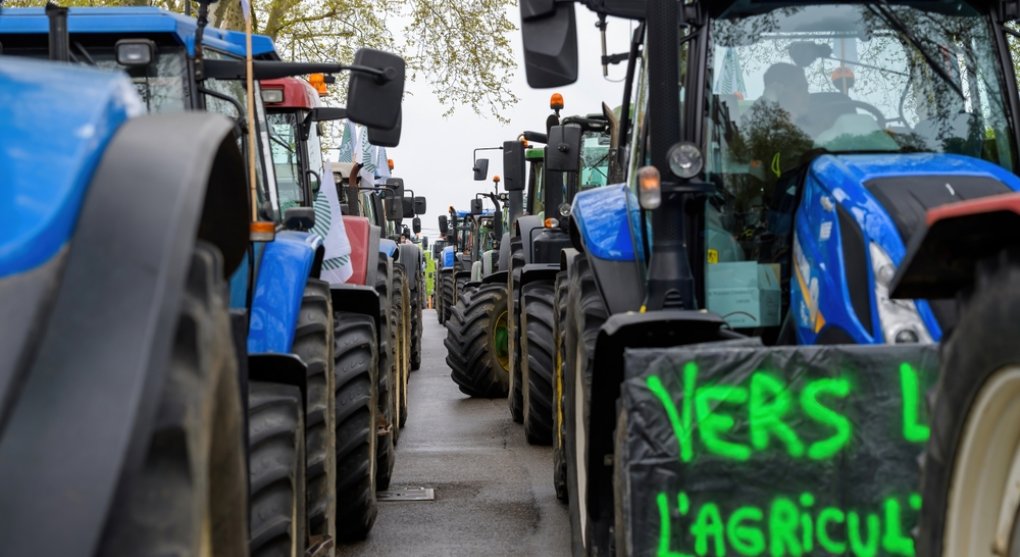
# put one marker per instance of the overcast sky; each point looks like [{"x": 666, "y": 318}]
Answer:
[{"x": 434, "y": 156}]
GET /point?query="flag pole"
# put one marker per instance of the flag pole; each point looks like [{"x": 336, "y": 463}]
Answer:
[{"x": 249, "y": 65}]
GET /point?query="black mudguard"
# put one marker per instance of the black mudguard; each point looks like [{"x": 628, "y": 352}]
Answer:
[
  {"x": 462, "y": 274},
  {"x": 372, "y": 259},
  {"x": 942, "y": 261},
  {"x": 357, "y": 299},
  {"x": 284, "y": 369},
  {"x": 499, "y": 277},
  {"x": 620, "y": 332},
  {"x": 538, "y": 271},
  {"x": 525, "y": 225},
  {"x": 410, "y": 257},
  {"x": 621, "y": 284},
  {"x": 84, "y": 413},
  {"x": 504, "y": 252}
]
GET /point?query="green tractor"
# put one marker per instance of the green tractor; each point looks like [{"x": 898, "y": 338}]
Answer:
[
  {"x": 536, "y": 245},
  {"x": 478, "y": 335}
]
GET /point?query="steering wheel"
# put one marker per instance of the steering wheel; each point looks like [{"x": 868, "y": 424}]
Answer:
[{"x": 871, "y": 109}]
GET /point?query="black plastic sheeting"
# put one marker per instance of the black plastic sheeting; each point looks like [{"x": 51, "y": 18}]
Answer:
[{"x": 857, "y": 413}]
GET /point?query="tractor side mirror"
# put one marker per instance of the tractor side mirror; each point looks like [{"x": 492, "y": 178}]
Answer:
[
  {"x": 549, "y": 31},
  {"x": 386, "y": 138},
  {"x": 513, "y": 166},
  {"x": 563, "y": 153},
  {"x": 395, "y": 199},
  {"x": 481, "y": 169},
  {"x": 444, "y": 225},
  {"x": 476, "y": 206},
  {"x": 408, "y": 207},
  {"x": 420, "y": 205},
  {"x": 416, "y": 225},
  {"x": 374, "y": 97}
]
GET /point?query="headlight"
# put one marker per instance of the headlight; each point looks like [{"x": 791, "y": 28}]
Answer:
[
  {"x": 564, "y": 210},
  {"x": 685, "y": 160},
  {"x": 901, "y": 324}
]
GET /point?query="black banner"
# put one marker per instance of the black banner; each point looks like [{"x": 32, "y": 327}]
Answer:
[{"x": 773, "y": 451}]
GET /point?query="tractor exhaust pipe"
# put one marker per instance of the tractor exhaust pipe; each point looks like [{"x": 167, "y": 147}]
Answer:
[{"x": 60, "y": 41}]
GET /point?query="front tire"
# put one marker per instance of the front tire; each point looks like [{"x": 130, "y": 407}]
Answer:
[
  {"x": 971, "y": 469},
  {"x": 516, "y": 398},
  {"x": 559, "y": 400},
  {"x": 537, "y": 321},
  {"x": 277, "y": 470},
  {"x": 313, "y": 343},
  {"x": 356, "y": 406},
  {"x": 190, "y": 497},
  {"x": 476, "y": 343},
  {"x": 586, "y": 313}
]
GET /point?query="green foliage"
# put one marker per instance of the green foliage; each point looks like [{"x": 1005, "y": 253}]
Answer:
[{"x": 461, "y": 49}]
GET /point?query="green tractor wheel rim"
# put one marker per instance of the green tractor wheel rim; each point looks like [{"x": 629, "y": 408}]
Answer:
[{"x": 500, "y": 341}]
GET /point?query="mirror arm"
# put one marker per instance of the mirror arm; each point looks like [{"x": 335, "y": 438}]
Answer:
[
  {"x": 536, "y": 137},
  {"x": 234, "y": 70}
]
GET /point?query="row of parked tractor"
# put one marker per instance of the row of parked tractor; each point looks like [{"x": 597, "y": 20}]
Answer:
[
  {"x": 745, "y": 305},
  {"x": 208, "y": 330}
]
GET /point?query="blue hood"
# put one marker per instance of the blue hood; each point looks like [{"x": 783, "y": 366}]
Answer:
[{"x": 55, "y": 122}]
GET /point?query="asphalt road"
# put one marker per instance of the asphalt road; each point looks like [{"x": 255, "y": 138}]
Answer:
[{"x": 493, "y": 492}]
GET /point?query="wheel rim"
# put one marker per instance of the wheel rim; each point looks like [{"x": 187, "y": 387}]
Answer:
[
  {"x": 985, "y": 489},
  {"x": 500, "y": 340},
  {"x": 580, "y": 449}
]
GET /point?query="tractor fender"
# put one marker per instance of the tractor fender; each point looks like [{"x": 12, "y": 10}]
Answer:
[
  {"x": 90, "y": 397},
  {"x": 606, "y": 221},
  {"x": 942, "y": 260},
  {"x": 410, "y": 258},
  {"x": 448, "y": 257},
  {"x": 619, "y": 333},
  {"x": 280, "y": 283},
  {"x": 566, "y": 256},
  {"x": 358, "y": 232},
  {"x": 374, "y": 253},
  {"x": 388, "y": 247},
  {"x": 539, "y": 271},
  {"x": 525, "y": 224},
  {"x": 504, "y": 252},
  {"x": 283, "y": 369},
  {"x": 356, "y": 299},
  {"x": 499, "y": 277}
]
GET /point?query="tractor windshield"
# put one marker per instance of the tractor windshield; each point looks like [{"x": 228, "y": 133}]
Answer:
[
  {"x": 797, "y": 81},
  {"x": 845, "y": 78},
  {"x": 286, "y": 162}
]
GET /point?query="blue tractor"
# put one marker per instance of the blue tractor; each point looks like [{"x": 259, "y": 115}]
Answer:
[
  {"x": 755, "y": 245},
  {"x": 281, "y": 315}
]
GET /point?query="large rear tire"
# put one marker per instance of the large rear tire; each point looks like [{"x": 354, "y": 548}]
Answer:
[
  {"x": 516, "y": 399},
  {"x": 538, "y": 316},
  {"x": 417, "y": 285},
  {"x": 313, "y": 342},
  {"x": 356, "y": 407},
  {"x": 277, "y": 470},
  {"x": 190, "y": 497},
  {"x": 476, "y": 343},
  {"x": 586, "y": 313},
  {"x": 559, "y": 401},
  {"x": 387, "y": 426},
  {"x": 971, "y": 469},
  {"x": 402, "y": 315},
  {"x": 447, "y": 294}
]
